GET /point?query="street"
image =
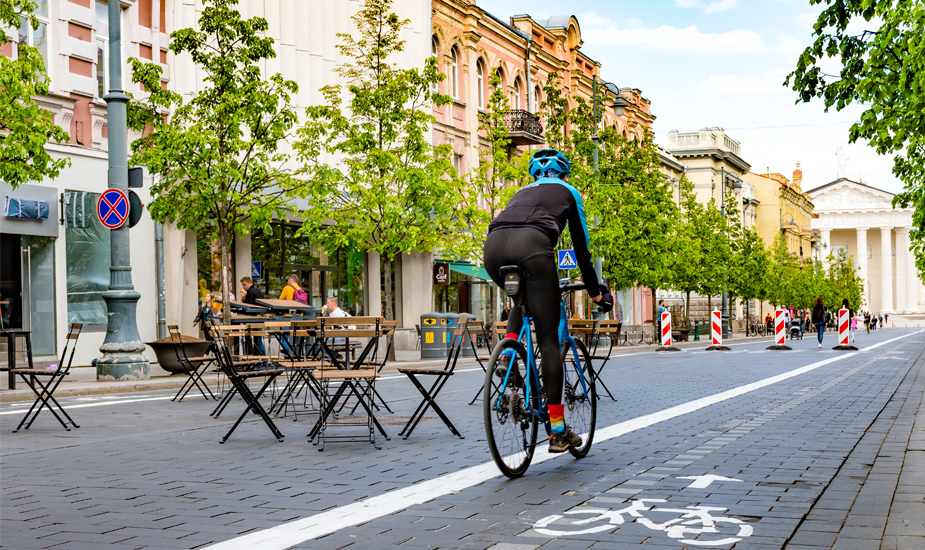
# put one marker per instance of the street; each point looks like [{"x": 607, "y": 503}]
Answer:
[{"x": 745, "y": 449}]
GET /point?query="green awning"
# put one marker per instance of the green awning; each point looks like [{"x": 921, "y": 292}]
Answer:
[{"x": 471, "y": 270}]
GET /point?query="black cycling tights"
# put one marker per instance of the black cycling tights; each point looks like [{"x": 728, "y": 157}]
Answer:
[{"x": 531, "y": 250}]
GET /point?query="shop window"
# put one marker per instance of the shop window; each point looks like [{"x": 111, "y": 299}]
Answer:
[{"x": 88, "y": 259}]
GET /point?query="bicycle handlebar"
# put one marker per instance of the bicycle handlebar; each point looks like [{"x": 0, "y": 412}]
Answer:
[{"x": 568, "y": 287}]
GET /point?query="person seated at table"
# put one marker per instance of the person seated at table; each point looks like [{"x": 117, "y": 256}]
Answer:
[
  {"x": 331, "y": 309},
  {"x": 250, "y": 293}
]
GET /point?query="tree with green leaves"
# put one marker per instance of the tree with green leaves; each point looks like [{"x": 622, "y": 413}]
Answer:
[
  {"x": 391, "y": 191},
  {"x": 715, "y": 243},
  {"x": 685, "y": 267},
  {"x": 25, "y": 127},
  {"x": 748, "y": 267},
  {"x": 844, "y": 280},
  {"x": 881, "y": 68},
  {"x": 628, "y": 202},
  {"x": 498, "y": 174},
  {"x": 781, "y": 274},
  {"x": 217, "y": 158}
]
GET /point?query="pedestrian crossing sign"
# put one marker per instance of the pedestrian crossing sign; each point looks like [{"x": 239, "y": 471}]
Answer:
[{"x": 567, "y": 259}]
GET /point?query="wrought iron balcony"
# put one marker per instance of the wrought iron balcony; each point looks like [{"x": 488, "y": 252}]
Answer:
[{"x": 524, "y": 128}]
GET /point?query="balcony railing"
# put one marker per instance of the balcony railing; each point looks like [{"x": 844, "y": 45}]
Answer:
[{"x": 524, "y": 128}]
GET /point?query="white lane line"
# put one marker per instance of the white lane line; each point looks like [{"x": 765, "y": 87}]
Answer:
[
  {"x": 103, "y": 404},
  {"x": 298, "y": 531}
]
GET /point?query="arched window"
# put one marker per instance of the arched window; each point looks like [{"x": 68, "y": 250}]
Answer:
[
  {"x": 537, "y": 100},
  {"x": 454, "y": 74},
  {"x": 433, "y": 52},
  {"x": 480, "y": 77},
  {"x": 516, "y": 103}
]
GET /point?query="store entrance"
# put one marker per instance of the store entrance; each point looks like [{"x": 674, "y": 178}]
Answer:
[{"x": 27, "y": 288}]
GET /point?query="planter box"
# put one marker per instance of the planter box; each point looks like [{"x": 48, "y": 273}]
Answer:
[
  {"x": 680, "y": 334},
  {"x": 166, "y": 353}
]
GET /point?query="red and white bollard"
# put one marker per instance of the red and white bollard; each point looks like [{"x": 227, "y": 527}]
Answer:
[
  {"x": 780, "y": 328},
  {"x": 666, "y": 334},
  {"x": 666, "y": 329},
  {"x": 716, "y": 332},
  {"x": 844, "y": 330}
]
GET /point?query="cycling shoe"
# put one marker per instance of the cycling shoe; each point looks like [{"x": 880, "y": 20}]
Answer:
[{"x": 559, "y": 443}]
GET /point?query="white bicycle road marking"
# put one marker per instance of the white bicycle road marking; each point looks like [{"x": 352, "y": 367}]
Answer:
[
  {"x": 694, "y": 520},
  {"x": 300, "y": 530},
  {"x": 702, "y": 482}
]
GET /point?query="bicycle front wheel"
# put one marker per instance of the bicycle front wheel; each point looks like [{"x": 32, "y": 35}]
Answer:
[
  {"x": 509, "y": 426},
  {"x": 580, "y": 397}
]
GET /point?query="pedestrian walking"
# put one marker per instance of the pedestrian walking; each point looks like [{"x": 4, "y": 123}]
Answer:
[
  {"x": 854, "y": 328},
  {"x": 886, "y": 318},
  {"x": 769, "y": 322},
  {"x": 292, "y": 290},
  {"x": 867, "y": 321},
  {"x": 819, "y": 318},
  {"x": 658, "y": 320}
]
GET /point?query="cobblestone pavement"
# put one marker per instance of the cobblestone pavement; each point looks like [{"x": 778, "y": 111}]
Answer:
[{"x": 830, "y": 457}]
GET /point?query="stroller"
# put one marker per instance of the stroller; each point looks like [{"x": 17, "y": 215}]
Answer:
[{"x": 796, "y": 331}]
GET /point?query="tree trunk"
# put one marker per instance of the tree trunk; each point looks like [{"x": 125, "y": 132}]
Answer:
[
  {"x": 655, "y": 319},
  {"x": 225, "y": 243},
  {"x": 710, "y": 308},
  {"x": 389, "y": 311},
  {"x": 687, "y": 310}
]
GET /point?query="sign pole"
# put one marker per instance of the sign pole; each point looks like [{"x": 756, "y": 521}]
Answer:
[{"x": 122, "y": 349}]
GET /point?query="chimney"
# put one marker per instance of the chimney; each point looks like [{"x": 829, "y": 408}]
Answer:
[{"x": 797, "y": 176}]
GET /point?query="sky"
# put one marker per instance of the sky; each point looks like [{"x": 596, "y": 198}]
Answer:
[{"x": 709, "y": 63}]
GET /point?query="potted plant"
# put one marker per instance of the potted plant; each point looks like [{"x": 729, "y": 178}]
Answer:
[{"x": 168, "y": 355}]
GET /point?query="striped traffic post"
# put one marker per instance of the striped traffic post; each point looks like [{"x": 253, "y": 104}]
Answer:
[
  {"x": 779, "y": 334},
  {"x": 666, "y": 334},
  {"x": 716, "y": 330},
  {"x": 844, "y": 330}
]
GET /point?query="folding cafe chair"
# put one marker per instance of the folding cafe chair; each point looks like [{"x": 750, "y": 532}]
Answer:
[
  {"x": 298, "y": 369},
  {"x": 606, "y": 329},
  {"x": 239, "y": 380},
  {"x": 352, "y": 377},
  {"x": 194, "y": 366},
  {"x": 46, "y": 392},
  {"x": 242, "y": 362},
  {"x": 458, "y": 340},
  {"x": 500, "y": 331}
]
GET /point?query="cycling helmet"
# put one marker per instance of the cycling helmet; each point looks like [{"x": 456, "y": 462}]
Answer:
[{"x": 549, "y": 163}]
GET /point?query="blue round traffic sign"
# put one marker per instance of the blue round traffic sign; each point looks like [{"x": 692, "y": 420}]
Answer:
[{"x": 112, "y": 208}]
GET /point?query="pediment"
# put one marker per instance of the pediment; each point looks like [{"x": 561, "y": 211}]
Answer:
[{"x": 851, "y": 196}]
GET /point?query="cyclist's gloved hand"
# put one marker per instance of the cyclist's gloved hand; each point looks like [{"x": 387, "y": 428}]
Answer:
[{"x": 606, "y": 302}]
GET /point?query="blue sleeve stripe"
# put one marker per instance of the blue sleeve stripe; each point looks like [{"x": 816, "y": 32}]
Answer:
[{"x": 578, "y": 202}]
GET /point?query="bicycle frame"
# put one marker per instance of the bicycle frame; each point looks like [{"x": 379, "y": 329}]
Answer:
[{"x": 532, "y": 378}]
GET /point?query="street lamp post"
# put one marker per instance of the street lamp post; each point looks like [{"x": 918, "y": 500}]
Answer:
[{"x": 122, "y": 348}]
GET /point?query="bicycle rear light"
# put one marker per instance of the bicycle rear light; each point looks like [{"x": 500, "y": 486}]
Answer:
[{"x": 511, "y": 284}]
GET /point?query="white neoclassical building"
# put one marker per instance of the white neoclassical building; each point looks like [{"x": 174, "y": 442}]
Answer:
[{"x": 861, "y": 219}]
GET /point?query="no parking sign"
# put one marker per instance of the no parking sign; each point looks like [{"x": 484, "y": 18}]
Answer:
[{"x": 112, "y": 208}]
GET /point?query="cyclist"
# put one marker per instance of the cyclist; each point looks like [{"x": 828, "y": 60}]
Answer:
[{"x": 525, "y": 234}]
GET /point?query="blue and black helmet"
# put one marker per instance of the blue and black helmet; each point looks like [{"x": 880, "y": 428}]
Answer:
[{"x": 549, "y": 163}]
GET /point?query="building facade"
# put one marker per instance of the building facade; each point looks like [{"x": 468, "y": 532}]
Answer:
[
  {"x": 471, "y": 45},
  {"x": 860, "y": 219},
  {"x": 784, "y": 209}
]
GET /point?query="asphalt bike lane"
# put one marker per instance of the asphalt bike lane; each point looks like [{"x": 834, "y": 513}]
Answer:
[{"x": 294, "y": 482}]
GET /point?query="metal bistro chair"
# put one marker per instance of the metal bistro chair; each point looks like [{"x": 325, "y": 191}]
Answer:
[
  {"x": 239, "y": 381},
  {"x": 194, "y": 366},
  {"x": 458, "y": 340},
  {"x": 46, "y": 392}
]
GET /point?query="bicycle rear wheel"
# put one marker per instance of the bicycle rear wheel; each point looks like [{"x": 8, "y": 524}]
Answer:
[
  {"x": 580, "y": 399},
  {"x": 509, "y": 428}
]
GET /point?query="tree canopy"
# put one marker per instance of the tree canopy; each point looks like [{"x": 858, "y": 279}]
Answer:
[
  {"x": 882, "y": 68},
  {"x": 25, "y": 126},
  {"x": 217, "y": 159}
]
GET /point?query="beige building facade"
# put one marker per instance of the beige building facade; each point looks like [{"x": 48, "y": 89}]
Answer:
[
  {"x": 783, "y": 208},
  {"x": 860, "y": 219}
]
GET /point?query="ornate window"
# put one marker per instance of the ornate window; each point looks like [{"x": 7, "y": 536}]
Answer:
[
  {"x": 480, "y": 78},
  {"x": 37, "y": 38},
  {"x": 454, "y": 74},
  {"x": 433, "y": 52},
  {"x": 516, "y": 103}
]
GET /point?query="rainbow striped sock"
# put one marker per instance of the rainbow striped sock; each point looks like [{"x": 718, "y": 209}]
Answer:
[{"x": 557, "y": 419}]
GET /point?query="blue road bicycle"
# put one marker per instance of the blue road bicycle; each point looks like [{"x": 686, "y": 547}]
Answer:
[{"x": 514, "y": 405}]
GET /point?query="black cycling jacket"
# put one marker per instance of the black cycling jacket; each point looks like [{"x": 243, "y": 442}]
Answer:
[{"x": 548, "y": 204}]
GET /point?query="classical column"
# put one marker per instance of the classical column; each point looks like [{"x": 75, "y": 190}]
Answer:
[
  {"x": 826, "y": 235},
  {"x": 902, "y": 257},
  {"x": 886, "y": 269},
  {"x": 861, "y": 258},
  {"x": 912, "y": 280}
]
